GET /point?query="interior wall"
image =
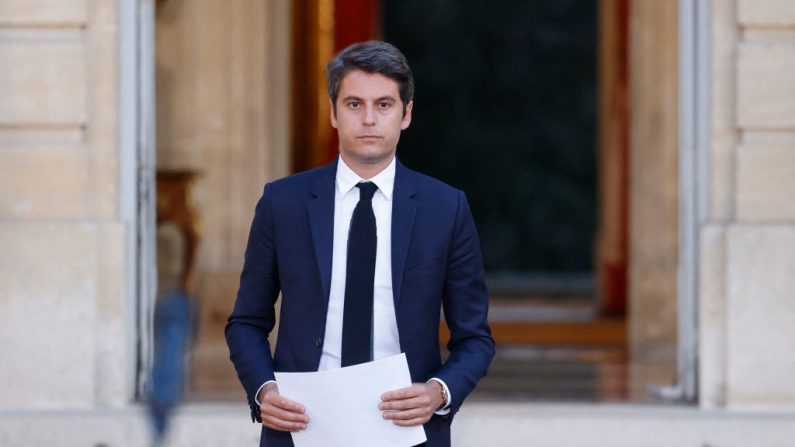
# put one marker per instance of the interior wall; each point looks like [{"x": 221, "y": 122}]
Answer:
[
  {"x": 653, "y": 201},
  {"x": 222, "y": 112}
]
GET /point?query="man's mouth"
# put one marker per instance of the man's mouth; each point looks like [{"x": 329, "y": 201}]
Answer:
[{"x": 369, "y": 137}]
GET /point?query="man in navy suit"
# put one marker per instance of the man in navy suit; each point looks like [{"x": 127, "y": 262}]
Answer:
[{"x": 366, "y": 253}]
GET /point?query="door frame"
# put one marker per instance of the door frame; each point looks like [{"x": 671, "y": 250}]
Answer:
[
  {"x": 137, "y": 182},
  {"x": 694, "y": 182}
]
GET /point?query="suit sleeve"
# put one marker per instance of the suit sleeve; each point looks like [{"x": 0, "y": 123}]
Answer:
[
  {"x": 253, "y": 316},
  {"x": 465, "y": 305}
]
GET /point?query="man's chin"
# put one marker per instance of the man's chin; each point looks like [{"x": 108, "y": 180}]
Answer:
[
  {"x": 372, "y": 157},
  {"x": 376, "y": 159}
]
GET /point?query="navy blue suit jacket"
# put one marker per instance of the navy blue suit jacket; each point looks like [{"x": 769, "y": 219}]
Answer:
[{"x": 436, "y": 263}]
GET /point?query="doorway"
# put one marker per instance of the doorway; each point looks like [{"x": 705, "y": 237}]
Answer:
[{"x": 553, "y": 313}]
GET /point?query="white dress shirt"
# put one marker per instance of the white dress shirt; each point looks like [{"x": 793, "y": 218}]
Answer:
[{"x": 386, "y": 341}]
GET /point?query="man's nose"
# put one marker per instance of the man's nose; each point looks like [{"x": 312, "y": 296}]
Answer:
[{"x": 369, "y": 115}]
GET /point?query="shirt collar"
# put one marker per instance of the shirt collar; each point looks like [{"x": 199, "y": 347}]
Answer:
[{"x": 347, "y": 179}]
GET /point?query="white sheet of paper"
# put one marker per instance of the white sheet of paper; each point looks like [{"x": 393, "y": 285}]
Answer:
[{"x": 342, "y": 405}]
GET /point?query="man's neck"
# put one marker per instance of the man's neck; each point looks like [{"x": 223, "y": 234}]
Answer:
[{"x": 365, "y": 170}]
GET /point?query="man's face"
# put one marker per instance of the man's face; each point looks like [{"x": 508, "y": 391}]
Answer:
[{"x": 369, "y": 117}]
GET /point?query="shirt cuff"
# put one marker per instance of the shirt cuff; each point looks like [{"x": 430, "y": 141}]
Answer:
[
  {"x": 446, "y": 407},
  {"x": 256, "y": 395}
]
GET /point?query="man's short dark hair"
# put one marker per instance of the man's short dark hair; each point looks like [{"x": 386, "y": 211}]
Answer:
[{"x": 372, "y": 56}]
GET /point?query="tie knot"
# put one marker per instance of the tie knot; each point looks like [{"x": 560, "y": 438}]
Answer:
[{"x": 366, "y": 190}]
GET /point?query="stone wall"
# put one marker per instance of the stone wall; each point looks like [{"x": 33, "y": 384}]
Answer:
[
  {"x": 63, "y": 330},
  {"x": 748, "y": 244}
]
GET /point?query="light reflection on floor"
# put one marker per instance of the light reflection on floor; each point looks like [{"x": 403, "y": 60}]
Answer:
[
  {"x": 569, "y": 374},
  {"x": 520, "y": 372},
  {"x": 593, "y": 366}
]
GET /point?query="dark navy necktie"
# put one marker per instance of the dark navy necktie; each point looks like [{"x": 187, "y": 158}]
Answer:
[{"x": 357, "y": 319}]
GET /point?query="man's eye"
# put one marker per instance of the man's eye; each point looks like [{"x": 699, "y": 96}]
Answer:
[
  {"x": 353, "y": 104},
  {"x": 383, "y": 105}
]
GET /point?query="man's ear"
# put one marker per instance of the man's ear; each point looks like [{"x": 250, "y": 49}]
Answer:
[
  {"x": 332, "y": 113},
  {"x": 407, "y": 116}
]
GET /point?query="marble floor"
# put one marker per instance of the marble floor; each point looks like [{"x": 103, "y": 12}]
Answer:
[
  {"x": 548, "y": 351},
  {"x": 570, "y": 374}
]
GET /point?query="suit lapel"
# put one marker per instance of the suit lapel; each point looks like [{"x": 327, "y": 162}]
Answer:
[
  {"x": 403, "y": 210},
  {"x": 321, "y": 220}
]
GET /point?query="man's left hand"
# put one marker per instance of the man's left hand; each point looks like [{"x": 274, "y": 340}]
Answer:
[{"x": 413, "y": 405}]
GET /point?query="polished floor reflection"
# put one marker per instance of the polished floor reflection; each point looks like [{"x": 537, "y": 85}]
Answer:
[
  {"x": 570, "y": 374},
  {"x": 563, "y": 350},
  {"x": 549, "y": 350}
]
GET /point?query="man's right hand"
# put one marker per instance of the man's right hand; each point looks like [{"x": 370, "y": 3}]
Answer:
[{"x": 280, "y": 413}]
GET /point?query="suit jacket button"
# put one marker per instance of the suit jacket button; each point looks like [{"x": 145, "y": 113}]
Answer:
[{"x": 318, "y": 342}]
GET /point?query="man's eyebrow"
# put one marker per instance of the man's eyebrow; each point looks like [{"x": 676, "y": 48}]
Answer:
[{"x": 382, "y": 98}]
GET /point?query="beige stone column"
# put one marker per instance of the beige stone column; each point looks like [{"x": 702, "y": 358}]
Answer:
[
  {"x": 62, "y": 274},
  {"x": 748, "y": 265}
]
